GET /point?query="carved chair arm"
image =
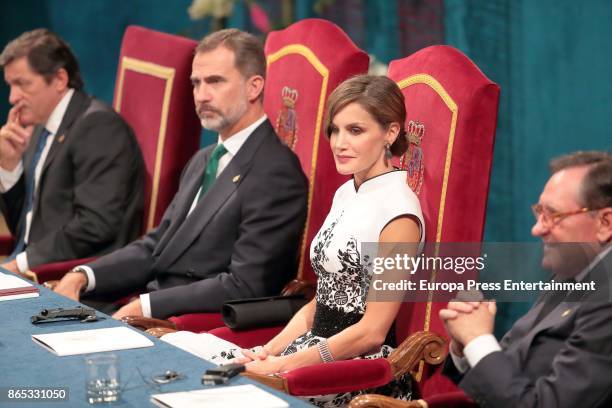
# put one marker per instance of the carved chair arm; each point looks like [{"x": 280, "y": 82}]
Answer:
[
  {"x": 381, "y": 401},
  {"x": 422, "y": 345},
  {"x": 300, "y": 287},
  {"x": 271, "y": 380},
  {"x": 145, "y": 323},
  {"x": 159, "y": 331}
]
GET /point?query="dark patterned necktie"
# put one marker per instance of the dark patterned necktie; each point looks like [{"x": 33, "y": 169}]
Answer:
[
  {"x": 29, "y": 193},
  {"x": 211, "y": 169}
]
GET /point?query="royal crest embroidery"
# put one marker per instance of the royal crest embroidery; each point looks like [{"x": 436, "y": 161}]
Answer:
[
  {"x": 286, "y": 123},
  {"x": 412, "y": 160}
]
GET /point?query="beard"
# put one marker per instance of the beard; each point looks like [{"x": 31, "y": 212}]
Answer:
[
  {"x": 219, "y": 120},
  {"x": 567, "y": 259}
]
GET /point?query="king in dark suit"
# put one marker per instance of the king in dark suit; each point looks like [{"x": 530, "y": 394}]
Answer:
[
  {"x": 70, "y": 167},
  {"x": 560, "y": 353},
  {"x": 233, "y": 228}
]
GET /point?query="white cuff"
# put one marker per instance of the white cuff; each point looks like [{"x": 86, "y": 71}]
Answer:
[
  {"x": 22, "y": 262},
  {"x": 145, "y": 305},
  {"x": 91, "y": 278},
  {"x": 461, "y": 363},
  {"x": 9, "y": 178},
  {"x": 479, "y": 348}
]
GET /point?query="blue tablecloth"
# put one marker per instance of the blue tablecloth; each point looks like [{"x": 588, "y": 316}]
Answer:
[{"x": 24, "y": 363}]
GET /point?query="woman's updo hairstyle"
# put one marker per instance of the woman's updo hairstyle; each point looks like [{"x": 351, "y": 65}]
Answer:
[{"x": 379, "y": 96}]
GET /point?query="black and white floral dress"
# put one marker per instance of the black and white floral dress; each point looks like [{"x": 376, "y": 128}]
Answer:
[
  {"x": 357, "y": 216},
  {"x": 341, "y": 263}
]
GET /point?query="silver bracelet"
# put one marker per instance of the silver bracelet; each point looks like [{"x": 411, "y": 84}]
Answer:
[{"x": 324, "y": 352}]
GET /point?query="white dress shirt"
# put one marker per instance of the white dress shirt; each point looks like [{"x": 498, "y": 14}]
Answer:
[
  {"x": 232, "y": 145},
  {"x": 9, "y": 178}
]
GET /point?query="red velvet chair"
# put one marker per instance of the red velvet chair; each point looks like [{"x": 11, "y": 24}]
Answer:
[
  {"x": 306, "y": 62},
  {"x": 6, "y": 244},
  {"x": 154, "y": 95},
  {"x": 452, "y": 115}
]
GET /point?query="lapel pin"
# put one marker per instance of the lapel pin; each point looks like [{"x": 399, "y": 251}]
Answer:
[
  {"x": 61, "y": 138},
  {"x": 236, "y": 178},
  {"x": 566, "y": 312}
]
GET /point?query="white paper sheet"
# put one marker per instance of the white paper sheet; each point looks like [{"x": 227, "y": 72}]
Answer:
[
  {"x": 10, "y": 283},
  {"x": 220, "y": 397},
  {"x": 20, "y": 296},
  {"x": 203, "y": 345},
  {"x": 92, "y": 341}
]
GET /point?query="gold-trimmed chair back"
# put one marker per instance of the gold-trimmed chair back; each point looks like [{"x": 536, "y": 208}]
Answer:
[
  {"x": 451, "y": 121},
  {"x": 306, "y": 62},
  {"x": 154, "y": 95}
]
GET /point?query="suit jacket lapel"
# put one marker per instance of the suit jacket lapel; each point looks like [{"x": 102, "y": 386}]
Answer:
[
  {"x": 517, "y": 342},
  {"x": 184, "y": 202},
  {"x": 199, "y": 218},
  {"x": 520, "y": 336},
  {"x": 597, "y": 273},
  {"x": 223, "y": 187},
  {"x": 78, "y": 103},
  {"x": 556, "y": 316},
  {"x": 525, "y": 331}
]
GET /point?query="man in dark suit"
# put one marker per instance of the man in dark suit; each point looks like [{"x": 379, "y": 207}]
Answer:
[
  {"x": 560, "y": 353},
  {"x": 232, "y": 230},
  {"x": 71, "y": 170}
]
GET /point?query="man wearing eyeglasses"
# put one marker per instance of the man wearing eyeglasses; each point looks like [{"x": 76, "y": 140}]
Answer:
[{"x": 559, "y": 354}]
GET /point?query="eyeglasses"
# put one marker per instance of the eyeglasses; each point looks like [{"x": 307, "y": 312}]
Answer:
[{"x": 550, "y": 218}]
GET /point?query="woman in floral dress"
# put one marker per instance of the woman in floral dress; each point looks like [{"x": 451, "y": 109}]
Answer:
[{"x": 365, "y": 126}]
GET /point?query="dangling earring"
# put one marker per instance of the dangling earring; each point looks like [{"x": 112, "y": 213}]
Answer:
[{"x": 388, "y": 154}]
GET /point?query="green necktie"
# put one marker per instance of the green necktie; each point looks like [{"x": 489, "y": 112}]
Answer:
[{"x": 211, "y": 169}]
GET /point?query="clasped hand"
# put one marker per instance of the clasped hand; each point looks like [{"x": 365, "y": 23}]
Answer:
[
  {"x": 464, "y": 321},
  {"x": 259, "y": 362}
]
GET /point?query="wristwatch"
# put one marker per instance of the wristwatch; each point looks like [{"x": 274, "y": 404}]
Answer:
[{"x": 79, "y": 269}]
